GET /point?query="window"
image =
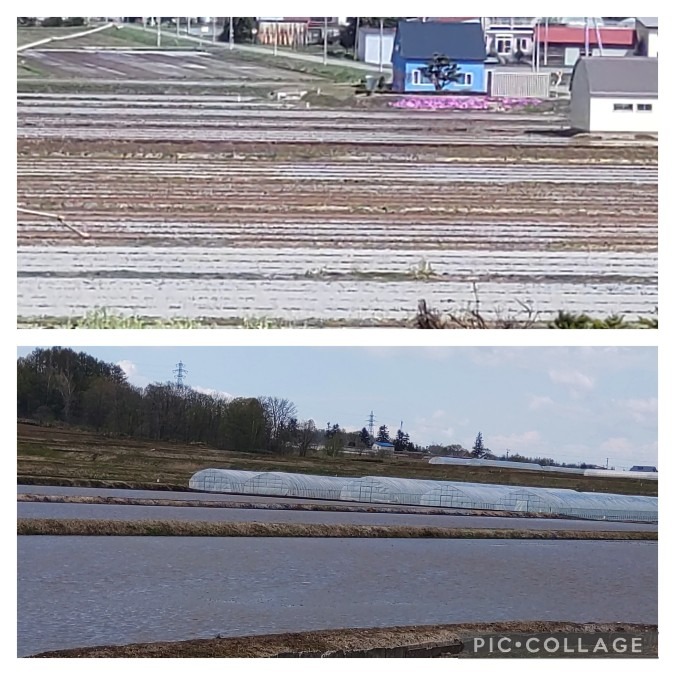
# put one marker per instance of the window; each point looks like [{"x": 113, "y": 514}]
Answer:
[
  {"x": 465, "y": 79},
  {"x": 504, "y": 45},
  {"x": 523, "y": 44},
  {"x": 623, "y": 107},
  {"x": 644, "y": 107},
  {"x": 416, "y": 77}
]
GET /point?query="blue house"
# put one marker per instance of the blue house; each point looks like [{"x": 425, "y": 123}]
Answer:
[{"x": 415, "y": 44}]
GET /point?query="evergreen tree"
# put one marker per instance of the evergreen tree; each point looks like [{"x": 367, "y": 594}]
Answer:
[
  {"x": 364, "y": 437},
  {"x": 383, "y": 434},
  {"x": 478, "y": 447}
]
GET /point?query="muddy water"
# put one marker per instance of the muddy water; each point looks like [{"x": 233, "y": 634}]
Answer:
[{"x": 114, "y": 590}]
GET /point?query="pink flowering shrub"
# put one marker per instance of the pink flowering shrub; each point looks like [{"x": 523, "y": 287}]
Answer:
[{"x": 462, "y": 103}]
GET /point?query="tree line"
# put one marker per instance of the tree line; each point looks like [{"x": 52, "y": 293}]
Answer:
[
  {"x": 74, "y": 388},
  {"x": 60, "y": 385}
]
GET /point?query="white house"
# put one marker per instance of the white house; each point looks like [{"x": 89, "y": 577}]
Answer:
[
  {"x": 615, "y": 94},
  {"x": 647, "y": 30},
  {"x": 379, "y": 446}
]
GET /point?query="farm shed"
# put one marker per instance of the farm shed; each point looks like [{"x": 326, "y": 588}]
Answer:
[
  {"x": 416, "y": 43},
  {"x": 615, "y": 94}
]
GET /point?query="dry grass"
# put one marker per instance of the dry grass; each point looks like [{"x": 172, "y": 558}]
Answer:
[
  {"x": 71, "y": 457},
  {"x": 173, "y": 528},
  {"x": 443, "y": 640}
]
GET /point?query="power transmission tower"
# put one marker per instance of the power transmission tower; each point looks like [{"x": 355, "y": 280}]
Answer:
[
  {"x": 180, "y": 372},
  {"x": 371, "y": 424}
]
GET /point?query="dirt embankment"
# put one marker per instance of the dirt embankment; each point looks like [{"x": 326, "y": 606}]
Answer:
[
  {"x": 409, "y": 641},
  {"x": 172, "y": 528}
]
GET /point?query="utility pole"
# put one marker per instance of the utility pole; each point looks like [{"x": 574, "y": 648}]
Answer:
[
  {"x": 586, "y": 38},
  {"x": 356, "y": 38},
  {"x": 177, "y": 26},
  {"x": 276, "y": 36},
  {"x": 325, "y": 40},
  {"x": 231, "y": 32},
  {"x": 159, "y": 31},
  {"x": 188, "y": 25},
  {"x": 213, "y": 26},
  {"x": 180, "y": 373},
  {"x": 546, "y": 41},
  {"x": 381, "y": 40}
]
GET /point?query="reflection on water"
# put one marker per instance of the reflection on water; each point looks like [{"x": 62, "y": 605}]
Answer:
[{"x": 114, "y": 590}]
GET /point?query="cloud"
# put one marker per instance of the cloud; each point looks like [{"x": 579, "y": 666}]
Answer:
[
  {"x": 624, "y": 453},
  {"x": 641, "y": 410},
  {"x": 574, "y": 379},
  {"x": 540, "y": 402},
  {"x": 130, "y": 369},
  {"x": 523, "y": 443},
  {"x": 216, "y": 393}
]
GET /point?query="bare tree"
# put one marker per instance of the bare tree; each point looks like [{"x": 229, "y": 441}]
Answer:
[
  {"x": 306, "y": 437},
  {"x": 278, "y": 413}
]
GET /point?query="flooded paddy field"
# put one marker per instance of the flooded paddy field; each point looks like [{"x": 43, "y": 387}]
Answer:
[
  {"x": 198, "y": 514},
  {"x": 223, "y": 208},
  {"x": 89, "y": 591}
]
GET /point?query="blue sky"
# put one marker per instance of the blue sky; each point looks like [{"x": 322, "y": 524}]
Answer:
[{"x": 572, "y": 404}]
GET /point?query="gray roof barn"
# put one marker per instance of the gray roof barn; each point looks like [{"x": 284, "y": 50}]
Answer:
[
  {"x": 651, "y": 22},
  {"x": 610, "y": 76},
  {"x": 458, "y": 41}
]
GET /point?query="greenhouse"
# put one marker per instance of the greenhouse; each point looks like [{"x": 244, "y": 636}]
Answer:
[
  {"x": 430, "y": 493},
  {"x": 383, "y": 490},
  {"x": 280, "y": 484},
  {"x": 460, "y": 461},
  {"x": 220, "y": 480}
]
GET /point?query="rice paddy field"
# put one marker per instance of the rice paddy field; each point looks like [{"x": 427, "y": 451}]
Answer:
[{"x": 224, "y": 206}]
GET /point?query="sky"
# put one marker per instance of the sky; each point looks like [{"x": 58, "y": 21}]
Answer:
[{"x": 592, "y": 404}]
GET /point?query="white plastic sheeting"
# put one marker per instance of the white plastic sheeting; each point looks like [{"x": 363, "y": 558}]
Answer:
[
  {"x": 444, "y": 494},
  {"x": 460, "y": 461},
  {"x": 607, "y": 473},
  {"x": 530, "y": 466}
]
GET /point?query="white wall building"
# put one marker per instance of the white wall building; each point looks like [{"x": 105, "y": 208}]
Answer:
[
  {"x": 647, "y": 29},
  {"x": 615, "y": 94},
  {"x": 368, "y": 48}
]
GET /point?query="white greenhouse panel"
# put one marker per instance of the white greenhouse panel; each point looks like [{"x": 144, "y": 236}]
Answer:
[{"x": 431, "y": 493}]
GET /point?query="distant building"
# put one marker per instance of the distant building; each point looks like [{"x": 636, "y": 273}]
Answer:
[
  {"x": 612, "y": 94},
  {"x": 564, "y": 45},
  {"x": 644, "y": 469},
  {"x": 416, "y": 43},
  {"x": 647, "y": 29},
  {"x": 381, "y": 446},
  {"x": 368, "y": 43}
]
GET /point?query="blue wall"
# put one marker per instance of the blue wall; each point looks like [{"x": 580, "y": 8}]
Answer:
[{"x": 403, "y": 77}]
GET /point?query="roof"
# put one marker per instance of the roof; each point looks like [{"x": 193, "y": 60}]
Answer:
[
  {"x": 620, "y": 75},
  {"x": 457, "y": 41},
  {"x": 384, "y": 444},
  {"x": 648, "y": 21},
  {"x": 576, "y": 35}
]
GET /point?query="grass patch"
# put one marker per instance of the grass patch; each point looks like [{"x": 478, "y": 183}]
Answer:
[{"x": 175, "y": 528}]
